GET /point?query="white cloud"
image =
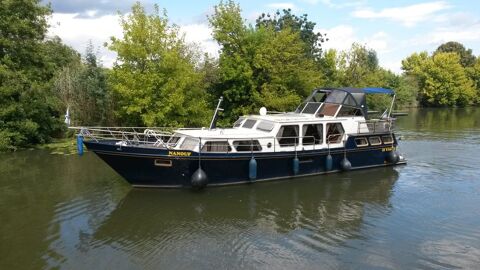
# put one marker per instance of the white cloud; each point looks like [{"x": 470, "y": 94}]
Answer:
[
  {"x": 450, "y": 28},
  {"x": 201, "y": 35},
  {"x": 341, "y": 38},
  {"x": 441, "y": 35},
  {"x": 282, "y": 6},
  {"x": 408, "y": 16},
  {"x": 336, "y": 4},
  {"x": 77, "y": 31}
]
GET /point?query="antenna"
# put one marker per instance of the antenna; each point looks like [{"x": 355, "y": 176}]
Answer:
[{"x": 213, "y": 124}]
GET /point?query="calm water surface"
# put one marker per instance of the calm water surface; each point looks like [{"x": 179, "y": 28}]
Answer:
[{"x": 70, "y": 212}]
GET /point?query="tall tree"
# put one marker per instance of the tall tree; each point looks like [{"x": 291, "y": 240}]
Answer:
[
  {"x": 467, "y": 59},
  {"x": 358, "y": 66},
  {"x": 442, "y": 79},
  {"x": 82, "y": 88},
  {"x": 474, "y": 74},
  {"x": 28, "y": 110},
  {"x": 300, "y": 24},
  {"x": 259, "y": 66},
  {"x": 154, "y": 79}
]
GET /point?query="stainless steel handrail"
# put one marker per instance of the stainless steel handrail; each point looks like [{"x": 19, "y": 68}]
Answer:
[{"x": 375, "y": 126}]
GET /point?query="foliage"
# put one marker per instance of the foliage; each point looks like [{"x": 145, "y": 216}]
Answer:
[
  {"x": 82, "y": 88},
  {"x": 474, "y": 74},
  {"x": 28, "y": 110},
  {"x": 467, "y": 59},
  {"x": 259, "y": 66},
  {"x": 359, "y": 67},
  {"x": 154, "y": 79},
  {"x": 442, "y": 79},
  {"x": 329, "y": 67},
  {"x": 300, "y": 24}
]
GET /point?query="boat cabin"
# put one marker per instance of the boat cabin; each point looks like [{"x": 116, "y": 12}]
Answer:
[{"x": 324, "y": 120}]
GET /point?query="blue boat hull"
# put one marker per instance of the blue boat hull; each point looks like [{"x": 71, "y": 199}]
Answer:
[{"x": 153, "y": 167}]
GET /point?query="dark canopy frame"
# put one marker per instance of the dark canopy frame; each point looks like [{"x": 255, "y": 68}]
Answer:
[{"x": 348, "y": 96}]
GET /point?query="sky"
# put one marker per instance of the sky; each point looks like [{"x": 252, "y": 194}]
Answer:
[{"x": 395, "y": 29}]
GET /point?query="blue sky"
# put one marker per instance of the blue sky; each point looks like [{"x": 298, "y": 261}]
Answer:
[{"x": 395, "y": 29}]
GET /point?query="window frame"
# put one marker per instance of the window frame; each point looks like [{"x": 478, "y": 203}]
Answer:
[
  {"x": 228, "y": 150},
  {"x": 265, "y": 121},
  {"x": 310, "y": 105},
  {"x": 375, "y": 137},
  {"x": 257, "y": 147},
  {"x": 249, "y": 121},
  {"x": 192, "y": 143},
  {"x": 361, "y": 145},
  {"x": 330, "y": 108},
  {"x": 342, "y": 134},
  {"x": 296, "y": 138},
  {"x": 390, "y": 137},
  {"x": 358, "y": 112},
  {"x": 239, "y": 122},
  {"x": 175, "y": 143},
  {"x": 304, "y": 126}
]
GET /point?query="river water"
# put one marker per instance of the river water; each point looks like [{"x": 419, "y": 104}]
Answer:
[{"x": 70, "y": 212}]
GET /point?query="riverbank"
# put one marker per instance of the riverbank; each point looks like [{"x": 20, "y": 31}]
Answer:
[{"x": 65, "y": 146}]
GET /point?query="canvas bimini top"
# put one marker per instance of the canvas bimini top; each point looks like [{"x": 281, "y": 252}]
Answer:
[{"x": 354, "y": 98}]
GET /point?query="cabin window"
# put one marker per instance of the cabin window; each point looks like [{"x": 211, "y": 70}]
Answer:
[
  {"x": 349, "y": 111},
  {"x": 311, "y": 107},
  {"x": 361, "y": 142},
  {"x": 238, "y": 122},
  {"x": 288, "y": 135},
  {"x": 328, "y": 109},
  {"x": 172, "y": 142},
  {"x": 335, "y": 132},
  {"x": 249, "y": 123},
  {"x": 336, "y": 97},
  {"x": 375, "y": 140},
  {"x": 247, "y": 146},
  {"x": 387, "y": 139},
  {"x": 350, "y": 101},
  {"x": 312, "y": 134},
  {"x": 216, "y": 146},
  {"x": 300, "y": 107},
  {"x": 189, "y": 143},
  {"x": 265, "y": 126}
]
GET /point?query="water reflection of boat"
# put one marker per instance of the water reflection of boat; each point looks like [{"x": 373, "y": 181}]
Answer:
[
  {"x": 334, "y": 207},
  {"x": 330, "y": 132}
]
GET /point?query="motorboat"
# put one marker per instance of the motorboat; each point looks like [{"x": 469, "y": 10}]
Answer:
[{"x": 330, "y": 132}]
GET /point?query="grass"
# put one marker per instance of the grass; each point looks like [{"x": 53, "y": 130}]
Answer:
[{"x": 67, "y": 146}]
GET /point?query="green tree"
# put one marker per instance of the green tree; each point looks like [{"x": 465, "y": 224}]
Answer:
[
  {"x": 359, "y": 67},
  {"x": 259, "y": 66},
  {"x": 28, "y": 111},
  {"x": 154, "y": 79},
  {"x": 300, "y": 24},
  {"x": 442, "y": 79},
  {"x": 474, "y": 74},
  {"x": 328, "y": 64},
  {"x": 82, "y": 87},
  {"x": 467, "y": 59}
]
